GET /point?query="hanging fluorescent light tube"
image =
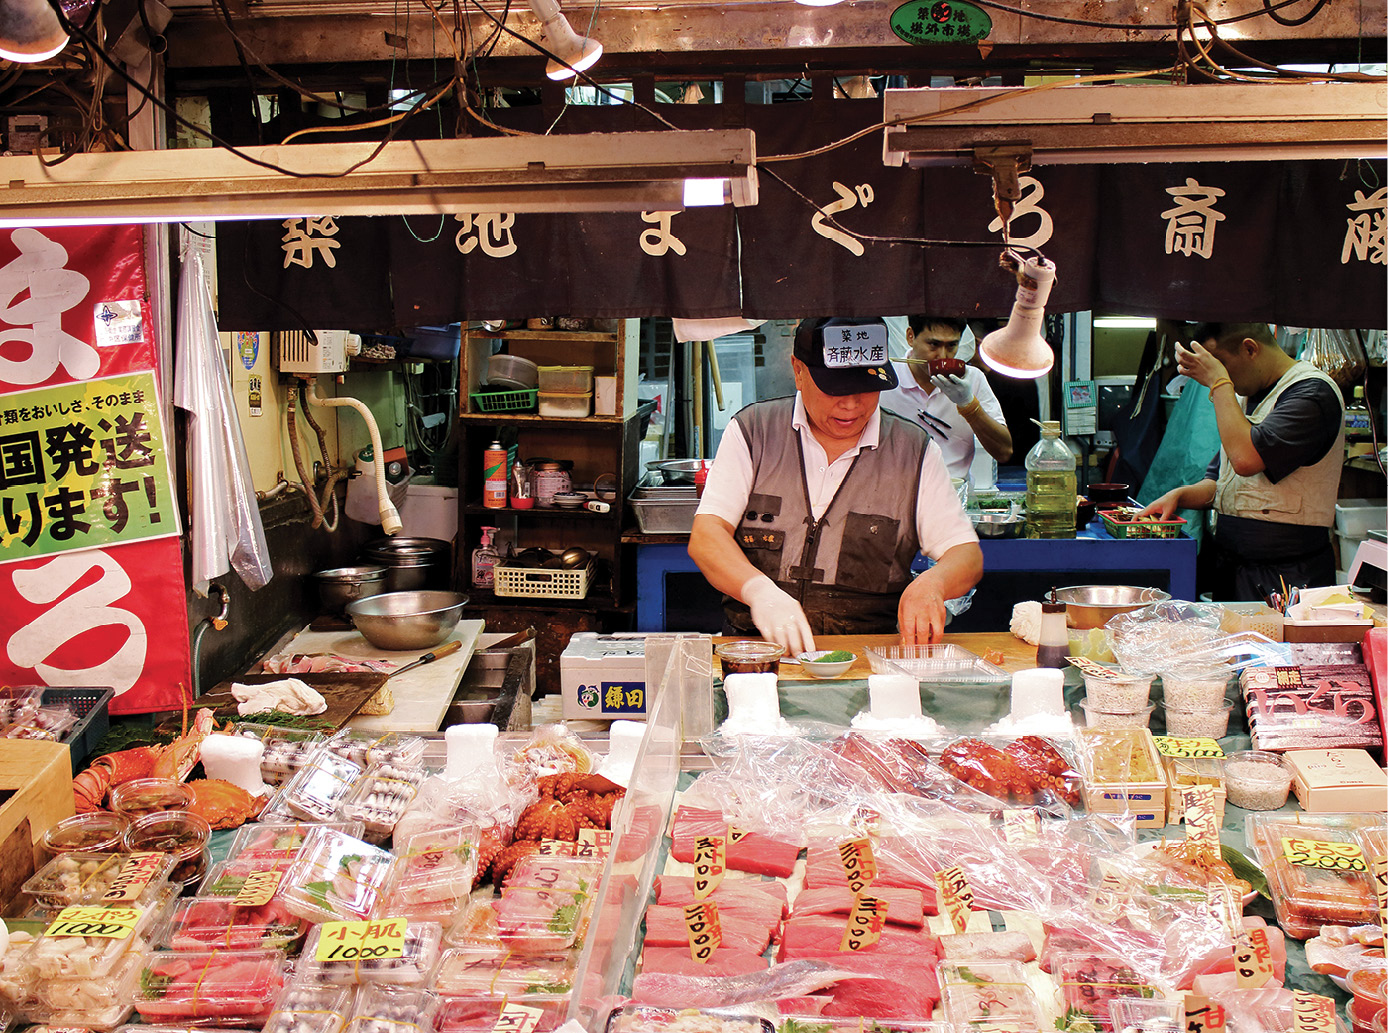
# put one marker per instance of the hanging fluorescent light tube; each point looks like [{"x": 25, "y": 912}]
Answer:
[
  {"x": 593, "y": 172},
  {"x": 1124, "y": 323},
  {"x": 575, "y": 53}
]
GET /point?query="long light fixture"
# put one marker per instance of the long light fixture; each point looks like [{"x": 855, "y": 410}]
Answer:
[
  {"x": 575, "y": 53},
  {"x": 1107, "y": 124},
  {"x": 593, "y": 172},
  {"x": 29, "y": 29}
]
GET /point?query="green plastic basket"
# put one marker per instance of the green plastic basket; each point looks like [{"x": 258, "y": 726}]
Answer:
[
  {"x": 1150, "y": 528},
  {"x": 505, "y": 401}
]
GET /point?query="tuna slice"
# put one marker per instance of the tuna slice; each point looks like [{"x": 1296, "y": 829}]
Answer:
[
  {"x": 756, "y": 852},
  {"x": 896, "y": 867},
  {"x": 677, "y": 961},
  {"x": 905, "y": 905},
  {"x": 679, "y": 890},
  {"x": 987, "y": 947},
  {"x": 891, "y": 988},
  {"x": 779, "y": 982},
  {"x": 820, "y": 936},
  {"x": 665, "y": 928}
]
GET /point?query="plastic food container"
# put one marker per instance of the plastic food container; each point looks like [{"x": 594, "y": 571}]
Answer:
[
  {"x": 1184, "y": 692},
  {"x": 988, "y": 992},
  {"x": 90, "y": 1003},
  {"x": 87, "y": 957},
  {"x": 68, "y": 878},
  {"x": 512, "y": 371},
  {"x": 100, "y": 831},
  {"x": 380, "y": 797},
  {"x": 1146, "y": 1015},
  {"x": 569, "y": 380},
  {"x": 1256, "y": 780},
  {"x": 318, "y": 789},
  {"x": 180, "y": 833},
  {"x": 282, "y": 840},
  {"x": 142, "y": 796},
  {"x": 645, "y": 1018},
  {"x": 216, "y": 987},
  {"x": 311, "y": 1009},
  {"x": 1367, "y": 985},
  {"x": 286, "y": 749},
  {"x": 393, "y": 1009},
  {"x": 421, "y": 951},
  {"x": 200, "y": 923},
  {"x": 1207, "y": 724},
  {"x": 433, "y": 874},
  {"x": 1122, "y": 693},
  {"x": 481, "y": 1014},
  {"x": 479, "y": 973},
  {"x": 545, "y": 904},
  {"x": 336, "y": 877},
  {"x": 749, "y": 657},
  {"x": 559, "y": 403},
  {"x": 1089, "y": 982},
  {"x": 367, "y": 748},
  {"x": 1306, "y": 897},
  {"x": 1096, "y": 716}
]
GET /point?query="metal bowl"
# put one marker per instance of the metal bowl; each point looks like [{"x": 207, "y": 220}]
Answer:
[
  {"x": 677, "y": 471},
  {"x": 343, "y": 585},
  {"x": 407, "y": 620},
  {"x": 1090, "y": 606},
  {"x": 999, "y": 525}
]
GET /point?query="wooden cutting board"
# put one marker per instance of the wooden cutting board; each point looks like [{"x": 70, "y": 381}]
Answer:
[{"x": 344, "y": 693}]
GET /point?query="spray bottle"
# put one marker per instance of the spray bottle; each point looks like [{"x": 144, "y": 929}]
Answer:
[
  {"x": 494, "y": 476},
  {"x": 484, "y": 560}
]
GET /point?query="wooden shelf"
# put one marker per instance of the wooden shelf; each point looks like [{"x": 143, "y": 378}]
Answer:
[
  {"x": 546, "y": 335},
  {"x": 1363, "y": 463},
  {"x": 531, "y": 417},
  {"x": 547, "y": 512}
]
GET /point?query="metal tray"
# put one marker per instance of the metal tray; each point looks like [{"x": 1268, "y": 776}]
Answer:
[
  {"x": 658, "y": 516},
  {"x": 666, "y": 492},
  {"x": 941, "y": 662}
]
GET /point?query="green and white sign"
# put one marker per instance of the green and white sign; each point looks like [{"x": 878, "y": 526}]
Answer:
[{"x": 941, "y": 21}]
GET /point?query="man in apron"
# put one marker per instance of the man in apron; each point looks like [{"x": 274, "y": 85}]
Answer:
[{"x": 816, "y": 505}]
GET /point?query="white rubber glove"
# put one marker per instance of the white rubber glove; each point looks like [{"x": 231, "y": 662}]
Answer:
[
  {"x": 777, "y": 616},
  {"x": 956, "y": 389}
]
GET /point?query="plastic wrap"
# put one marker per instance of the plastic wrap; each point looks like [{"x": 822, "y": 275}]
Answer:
[
  {"x": 434, "y": 874},
  {"x": 989, "y": 994},
  {"x": 227, "y": 988},
  {"x": 639, "y": 1018},
  {"x": 553, "y": 750},
  {"x": 335, "y": 878},
  {"x": 310, "y": 1009},
  {"x": 1308, "y": 896},
  {"x": 1184, "y": 640},
  {"x": 419, "y": 954}
]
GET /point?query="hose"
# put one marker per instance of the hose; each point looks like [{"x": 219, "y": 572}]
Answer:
[
  {"x": 299, "y": 463},
  {"x": 329, "y": 496},
  {"x": 390, "y": 519}
]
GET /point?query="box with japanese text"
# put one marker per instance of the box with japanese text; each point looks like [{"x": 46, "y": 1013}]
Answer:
[{"x": 604, "y": 676}]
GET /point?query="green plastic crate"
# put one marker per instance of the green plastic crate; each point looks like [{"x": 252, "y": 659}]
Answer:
[
  {"x": 505, "y": 401},
  {"x": 1146, "y": 528}
]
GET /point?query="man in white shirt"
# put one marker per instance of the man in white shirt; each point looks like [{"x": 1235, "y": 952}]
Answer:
[
  {"x": 954, "y": 410},
  {"x": 816, "y": 505}
]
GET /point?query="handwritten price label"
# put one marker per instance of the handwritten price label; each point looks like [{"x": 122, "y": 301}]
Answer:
[
  {"x": 1182, "y": 746},
  {"x": 710, "y": 862},
  {"x": 1202, "y": 825},
  {"x": 1317, "y": 853},
  {"x": 859, "y": 865},
  {"x": 1253, "y": 960},
  {"x": 107, "y": 923},
  {"x": 1378, "y": 867},
  {"x": 1203, "y": 1015},
  {"x": 705, "y": 929},
  {"x": 1109, "y": 898},
  {"x": 557, "y": 848},
  {"x": 135, "y": 875},
  {"x": 518, "y": 1018},
  {"x": 865, "y": 922},
  {"x": 735, "y": 834},
  {"x": 955, "y": 897},
  {"x": 258, "y": 889},
  {"x": 362, "y": 940},
  {"x": 598, "y": 842},
  {"x": 1021, "y": 827},
  {"x": 1220, "y": 903},
  {"x": 1312, "y": 1013}
]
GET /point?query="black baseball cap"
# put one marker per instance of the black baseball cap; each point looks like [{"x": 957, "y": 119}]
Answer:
[{"x": 845, "y": 356}]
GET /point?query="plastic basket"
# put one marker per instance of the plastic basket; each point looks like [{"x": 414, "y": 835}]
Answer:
[
  {"x": 505, "y": 401},
  {"x": 92, "y": 707},
  {"x": 1142, "y": 528},
  {"x": 546, "y": 584}
]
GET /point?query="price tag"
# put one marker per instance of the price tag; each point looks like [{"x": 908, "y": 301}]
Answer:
[
  {"x": 859, "y": 865},
  {"x": 1203, "y": 1015},
  {"x": 258, "y": 889},
  {"x": 710, "y": 862},
  {"x": 1253, "y": 960},
  {"x": 1202, "y": 825},
  {"x": 1110, "y": 897},
  {"x": 599, "y": 842},
  {"x": 134, "y": 877},
  {"x": 1379, "y": 868},
  {"x": 735, "y": 834},
  {"x": 1317, "y": 853},
  {"x": 865, "y": 921},
  {"x": 108, "y": 923},
  {"x": 1092, "y": 668},
  {"x": 1021, "y": 827},
  {"x": 518, "y": 1018},
  {"x": 363, "y": 940},
  {"x": 1181, "y": 746},
  {"x": 956, "y": 899},
  {"x": 705, "y": 929},
  {"x": 557, "y": 848},
  {"x": 1312, "y": 1013},
  {"x": 1220, "y": 903}
]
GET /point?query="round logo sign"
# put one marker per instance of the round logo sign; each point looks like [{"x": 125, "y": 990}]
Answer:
[{"x": 941, "y": 21}]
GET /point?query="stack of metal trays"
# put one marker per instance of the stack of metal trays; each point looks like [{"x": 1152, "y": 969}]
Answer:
[{"x": 665, "y": 508}]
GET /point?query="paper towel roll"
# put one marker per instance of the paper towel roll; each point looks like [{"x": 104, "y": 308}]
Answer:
[
  {"x": 892, "y": 697},
  {"x": 471, "y": 748},
  {"x": 1039, "y": 690},
  {"x": 235, "y": 759}
]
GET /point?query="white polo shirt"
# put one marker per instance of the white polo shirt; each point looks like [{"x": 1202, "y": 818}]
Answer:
[
  {"x": 909, "y": 399},
  {"x": 940, "y": 520}
]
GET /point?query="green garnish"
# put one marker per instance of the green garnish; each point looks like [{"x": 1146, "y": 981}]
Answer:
[
  {"x": 1245, "y": 869},
  {"x": 153, "y": 984},
  {"x": 564, "y": 919},
  {"x": 549, "y": 988},
  {"x": 1076, "y": 1021},
  {"x": 836, "y": 656},
  {"x": 799, "y": 1026},
  {"x": 280, "y": 719},
  {"x": 318, "y": 893},
  {"x": 973, "y": 977}
]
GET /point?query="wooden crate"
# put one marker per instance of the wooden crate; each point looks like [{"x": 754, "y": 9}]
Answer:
[
  {"x": 1143, "y": 799},
  {"x": 35, "y": 792}
]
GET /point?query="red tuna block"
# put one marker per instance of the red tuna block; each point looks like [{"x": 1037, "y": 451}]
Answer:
[
  {"x": 757, "y": 852},
  {"x": 679, "y": 890},
  {"x": 665, "y": 928},
  {"x": 893, "y": 988},
  {"x": 676, "y": 961},
  {"x": 905, "y": 905},
  {"x": 815, "y": 936},
  {"x": 897, "y": 866}
]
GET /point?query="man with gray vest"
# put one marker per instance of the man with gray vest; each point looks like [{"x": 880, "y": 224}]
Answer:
[
  {"x": 1274, "y": 482},
  {"x": 816, "y": 505}
]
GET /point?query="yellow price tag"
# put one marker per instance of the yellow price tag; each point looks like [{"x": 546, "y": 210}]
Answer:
[
  {"x": 1185, "y": 746},
  {"x": 859, "y": 864},
  {"x": 518, "y": 1018},
  {"x": 710, "y": 863},
  {"x": 258, "y": 889},
  {"x": 135, "y": 875},
  {"x": 704, "y": 928},
  {"x": 108, "y": 923},
  {"x": 1202, "y": 825},
  {"x": 368, "y": 939},
  {"x": 1253, "y": 965},
  {"x": 955, "y": 897},
  {"x": 865, "y": 922},
  {"x": 1317, "y": 853},
  {"x": 1312, "y": 1013},
  {"x": 1379, "y": 869}
]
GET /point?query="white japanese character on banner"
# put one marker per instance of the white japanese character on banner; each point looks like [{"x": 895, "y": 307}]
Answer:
[
  {"x": 848, "y": 198},
  {"x": 1030, "y": 204},
  {"x": 661, "y": 239},
  {"x": 493, "y": 231},
  {"x": 1364, "y": 233},
  {"x": 301, "y": 244},
  {"x": 85, "y": 610},
  {"x": 1190, "y": 224},
  {"x": 35, "y": 291}
]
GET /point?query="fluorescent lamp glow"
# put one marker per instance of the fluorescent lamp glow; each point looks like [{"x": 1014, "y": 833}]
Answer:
[
  {"x": 1018, "y": 350},
  {"x": 1124, "y": 323},
  {"x": 818, "y": 3},
  {"x": 703, "y": 193}
]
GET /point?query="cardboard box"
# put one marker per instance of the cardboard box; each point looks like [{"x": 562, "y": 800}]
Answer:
[
  {"x": 1107, "y": 791},
  {"x": 1337, "y": 780},
  {"x": 36, "y": 787},
  {"x": 1184, "y": 772},
  {"x": 604, "y": 676}
]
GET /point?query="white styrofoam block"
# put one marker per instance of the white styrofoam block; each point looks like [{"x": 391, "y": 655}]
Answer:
[
  {"x": 894, "y": 696},
  {"x": 470, "y": 748},
  {"x": 1038, "y": 690}
]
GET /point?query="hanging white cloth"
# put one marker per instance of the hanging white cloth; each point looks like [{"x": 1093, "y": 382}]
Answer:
[{"x": 226, "y": 527}]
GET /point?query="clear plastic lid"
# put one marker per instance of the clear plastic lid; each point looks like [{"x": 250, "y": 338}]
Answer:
[
  {"x": 142, "y": 796},
  {"x": 209, "y": 988},
  {"x": 319, "y": 787},
  {"x": 99, "y": 831},
  {"x": 482, "y": 1014},
  {"x": 86, "y": 878},
  {"x": 434, "y": 873},
  {"x": 1312, "y": 875},
  {"x": 181, "y": 833},
  {"x": 305, "y": 1008},
  {"x": 989, "y": 993},
  {"x": 365, "y": 748},
  {"x": 477, "y": 928},
  {"x": 89, "y": 944},
  {"x": 286, "y": 749},
  {"x": 1146, "y": 1015},
  {"x": 419, "y": 953},
  {"x": 546, "y": 902},
  {"x": 91, "y": 1003},
  {"x": 1089, "y": 982},
  {"x": 393, "y": 1009},
  {"x": 488, "y": 973},
  {"x": 645, "y": 1018},
  {"x": 16, "y": 972},
  {"x": 229, "y": 878},
  {"x": 381, "y": 794},
  {"x": 199, "y": 923},
  {"x": 281, "y": 839},
  {"x": 1120, "y": 755},
  {"x": 336, "y": 877}
]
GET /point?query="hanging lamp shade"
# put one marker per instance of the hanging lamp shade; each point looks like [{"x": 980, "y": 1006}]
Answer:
[
  {"x": 575, "y": 53},
  {"x": 1018, "y": 349},
  {"x": 30, "y": 31}
]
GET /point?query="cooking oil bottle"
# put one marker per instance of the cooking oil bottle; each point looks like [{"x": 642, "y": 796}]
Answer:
[{"x": 1051, "y": 485}]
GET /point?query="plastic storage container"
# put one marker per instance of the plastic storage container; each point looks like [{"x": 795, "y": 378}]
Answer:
[
  {"x": 1212, "y": 723},
  {"x": 484, "y": 973},
  {"x": 318, "y": 789},
  {"x": 1123, "y": 693},
  {"x": 217, "y": 987},
  {"x": 1355, "y": 518},
  {"x": 569, "y": 380},
  {"x": 1194, "y": 692},
  {"x": 336, "y": 877},
  {"x": 412, "y": 968},
  {"x": 56, "y": 956},
  {"x": 1051, "y": 486},
  {"x": 311, "y": 1009},
  {"x": 989, "y": 993},
  {"x": 558, "y": 403},
  {"x": 366, "y": 748},
  {"x": 203, "y": 923},
  {"x": 142, "y": 796},
  {"x": 181, "y": 833},
  {"x": 380, "y": 797},
  {"x": 1089, "y": 982},
  {"x": 433, "y": 874},
  {"x": 433, "y": 342},
  {"x": 86, "y": 878},
  {"x": 286, "y": 749},
  {"x": 393, "y": 1009},
  {"x": 1096, "y": 716},
  {"x": 1305, "y": 897},
  {"x": 100, "y": 831},
  {"x": 269, "y": 841},
  {"x": 89, "y": 1003},
  {"x": 1256, "y": 780}
]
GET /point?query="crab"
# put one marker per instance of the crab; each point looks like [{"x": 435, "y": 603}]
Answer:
[{"x": 224, "y": 805}]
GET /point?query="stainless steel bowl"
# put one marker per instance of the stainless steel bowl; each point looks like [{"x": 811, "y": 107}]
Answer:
[
  {"x": 343, "y": 585},
  {"x": 677, "y": 471},
  {"x": 411, "y": 563},
  {"x": 999, "y": 525},
  {"x": 407, "y": 620},
  {"x": 1090, "y": 606}
]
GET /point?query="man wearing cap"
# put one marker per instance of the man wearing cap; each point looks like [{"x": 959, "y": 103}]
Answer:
[{"x": 817, "y": 504}]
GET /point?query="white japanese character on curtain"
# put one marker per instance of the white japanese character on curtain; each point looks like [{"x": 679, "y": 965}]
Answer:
[
  {"x": 661, "y": 238},
  {"x": 35, "y": 291},
  {"x": 1030, "y": 204},
  {"x": 1190, "y": 223},
  {"x": 848, "y": 198},
  {"x": 493, "y": 231},
  {"x": 314, "y": 237},
  {"x": 1364, "y": 232}
]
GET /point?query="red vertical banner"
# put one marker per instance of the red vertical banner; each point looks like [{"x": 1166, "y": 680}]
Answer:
[{"x": 91, "y": 563}]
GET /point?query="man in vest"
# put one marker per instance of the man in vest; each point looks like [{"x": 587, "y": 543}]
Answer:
[
  {"x": 1274, "y": 482},
  {"x": 817, "y": 504}
]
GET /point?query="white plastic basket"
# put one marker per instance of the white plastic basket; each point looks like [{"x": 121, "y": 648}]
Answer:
[{"x": 543, "y": 583}]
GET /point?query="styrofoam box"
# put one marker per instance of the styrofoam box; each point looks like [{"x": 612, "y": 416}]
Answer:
[
  {"x": 1354, "y": 518},
  {"x": 604, "y": 676}
]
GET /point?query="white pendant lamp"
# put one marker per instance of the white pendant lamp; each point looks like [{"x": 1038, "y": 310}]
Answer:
[
  {"x": 30, "y": 31},
  {"x": 1018, "y": 349},
  {"x": 575, "y": 53}
]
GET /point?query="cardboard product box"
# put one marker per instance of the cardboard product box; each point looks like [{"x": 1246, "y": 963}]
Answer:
[
  {"x": 1311, "y": 706},
  {"x": 1337, "y": 780},
  {"x": 1123, "y": 774},
  {"x": 604, "y": 676}
]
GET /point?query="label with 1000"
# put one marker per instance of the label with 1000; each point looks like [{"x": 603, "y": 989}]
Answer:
[
  {"x": 361, "y": 941},
  {"x": 111, "y": 923}
]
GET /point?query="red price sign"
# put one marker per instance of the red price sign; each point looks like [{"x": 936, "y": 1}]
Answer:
[
  {"x": 865, "y": 921},
  {"x": 956, "y": 899},
  {"x": 705, "y": 930},
  {"x": 859, "y": 865},
  {"x": 710, "y": 862}
]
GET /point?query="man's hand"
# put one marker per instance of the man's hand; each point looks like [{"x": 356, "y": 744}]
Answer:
[
  {"x": 777, "y": 616},
  {"x": 1165, "y": 507},
  {"x": 1199, "y": 364},
  {"x": 921, "y": 613},
  {"x": 956, "y": 389}
]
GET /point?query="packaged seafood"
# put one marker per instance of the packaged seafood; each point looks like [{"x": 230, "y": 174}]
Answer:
[
  {"x": 318, "y": 789},
  {"x": 420, "y": 952},
  {"x": 989, "y": 993},
  {"x": 89, "y": 943},
  {"x": 336, "y": 877},
  {"x": 286, "y": 749},
  {"x": 1147, "y": 1015},
  {"x": 229, "y": 878},
  {"x": 98, "y": 832},
  {"x": 281, "y": 839},
  {"x": 644, "y": 1018},
  {"x": 86, "y": 878},
  {"x": 17, "y": 972},
  {"x": 202, "y": 922},
  {"x": 476, "y": 928},
  {"x": 1123, "y": 774},
  {"x": 92, "y": 1003},
  {"x": 304, "y": 1008},
  {"x": 1315, "y": 868},
  {"x": 393, "y": 1009},
  {"x": 366, "y": 748},
  {"x": 19, "y": 702},
  {"x": 381, "y": 795},
  {"x": 485, "y": 973},
  {"x": 1089, "y": 982},
  {"x": 181, "y": 833},
  {"x": 434, "y": 873},
  {"x": 546, "y": 903},
  {"x": 141, "y": 796},
  {"x": 209, "y": 987},
  {"x": 482, "y": 1014}
]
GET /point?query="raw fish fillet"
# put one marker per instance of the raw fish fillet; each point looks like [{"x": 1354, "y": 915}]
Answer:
[
  {"x": 895, "y": 868},
  {"x": 679, "y": 890},
  {"x": 677, "y": 961},
  {"x": 665, "y": 928},
  {"x": 794, "y": 979},
  {"x": 818, "y": 936},
  {"x": 888, "y": 987},
  {"x": 987, "y": 947},
  {"x": 757, "y": 852},
  {"x": 905, "y": 904}
]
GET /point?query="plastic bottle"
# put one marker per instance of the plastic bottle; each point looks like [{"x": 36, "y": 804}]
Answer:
[
  {"x": 484, "y": 559},
  {"x": 700, "y": 478},
  {"x": 1051, "y": 484},
  {"x": 494, "y": 476},
  {"x": 1054, "y": 643},
  {"x": 1357, "y": 416}
]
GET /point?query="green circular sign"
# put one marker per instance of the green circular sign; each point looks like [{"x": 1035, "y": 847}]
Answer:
[{"x": 941, "y": 21}]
